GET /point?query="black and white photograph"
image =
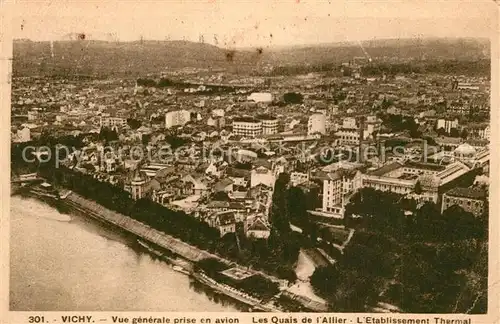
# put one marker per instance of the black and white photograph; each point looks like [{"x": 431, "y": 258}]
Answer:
[{"x": 251, "y": 156}]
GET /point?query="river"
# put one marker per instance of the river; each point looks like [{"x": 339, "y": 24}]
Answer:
[{"x": 68, "y": 262}]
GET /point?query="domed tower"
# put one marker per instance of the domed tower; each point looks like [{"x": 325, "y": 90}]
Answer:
[
  {"x": 138, "y": 185},
  {"x": 465, "y": 152}
]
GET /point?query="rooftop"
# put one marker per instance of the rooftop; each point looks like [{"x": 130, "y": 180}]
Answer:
[
  {"x": 245, "y": 119},
  {"x": 386, "y": 169},
  {"x": 472, "y": 193},
  {"x": 265, "y": 117},
  {"x": 424, "y": 166}
]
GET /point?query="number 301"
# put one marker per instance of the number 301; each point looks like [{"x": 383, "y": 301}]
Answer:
[{"x": 36, "y": 319}]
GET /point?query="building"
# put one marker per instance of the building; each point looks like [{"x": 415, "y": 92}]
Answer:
[
  {"x": 264, "y": 97},
  {"x": 138, "y": 186},
  {"x": 218, "y": 122},
  {"x": 479, "y": 131},
  {"x": 447, "y": 125},
  {"x": 349, "y": 122},
  {"x": 297, "y": 178},
  {"x": 467, "y": 86},
  {"x": 336, "y": 188},
  {"x": 316, "y": 124},
  {"x": 112, "y": 122},
  {"x": 194, "y": 185},
  {"x": 257, "y": 228},
  {"x": 247, "y": 126},
  {"x": 269, "y": 124},
  {"x": 465, "y": 153},
  {"x": 470, "y": 199},
  {"x": 383, "y": 180},
  {"x": 177, "y": 118},
  {"x": 33, "y": 115},
  {"x": 262, "y": 175},
  {"x": 403, "y": 178},
  {"x": 350, "y": 136},
  {"x": 23, "y": 135},
  {"x": 225, "y": 222}
]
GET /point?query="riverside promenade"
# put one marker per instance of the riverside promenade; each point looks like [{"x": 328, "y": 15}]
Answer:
[
  {"x": 168, "y": 242},
  {"x": 142, "y": 230},
  {"x": 189, "y": 252}
]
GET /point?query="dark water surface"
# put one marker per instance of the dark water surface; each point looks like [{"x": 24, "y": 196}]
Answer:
[{"x": 61, "y": 262}]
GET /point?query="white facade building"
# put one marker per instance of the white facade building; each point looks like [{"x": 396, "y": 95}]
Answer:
[
  {"x": 269, "y": 124},
  {"x": 349, "y": 122},
  {"x": 262, "y": 175},
  {"x": 247, "y": 126},
  {"x": 177, "y": 118},
  {"x": 264, "y": 97},
  {"x": 111, "y": 122},
  {"x": 447, "y": 125},
  {"x": 297, "y": 178},
  {"x": 316, "y": 124},
  {"x": 336, "y": 188}
]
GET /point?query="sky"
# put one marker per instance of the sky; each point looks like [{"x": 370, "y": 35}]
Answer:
[{"x": 248, "y": 23}]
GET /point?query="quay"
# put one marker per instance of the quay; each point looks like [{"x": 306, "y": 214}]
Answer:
[
  {"x": 141, "y": 230},
  {"x": 167, "y": 242},
  {"x": 188, "y": 254}
]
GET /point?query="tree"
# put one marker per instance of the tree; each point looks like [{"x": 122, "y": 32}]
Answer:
[
  {"x": 454, "y": 132},
  {"x": 165, "y": 83},
  {"x": 279, "y": 215},
  {"x": 145, "y": 138},
  {"x": 297, "y": 207},
  {"x": 418, "y": 188},
  {"x": 146, "y": 82},
  {"x": 441, "y": 131},
  {"x": 133, "y": 123},
  {"x": 325, "y": 280},
  {"x": 220, "y": 196},
  {"x": 427, "y": 222},
  {"x": 108, "y": 135},
  {"x": 461, "y": 224},
  {"x": 293, "y": 98},
  {"x": 429, "y": 140},
  {"x": 464, "y": 134}
]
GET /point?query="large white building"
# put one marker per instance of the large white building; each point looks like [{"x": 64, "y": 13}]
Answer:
[
  {"x": 269, "y": 124},
  {"x": 349, "y": 123},
  {"x": 336, "y": 188},
  {"x": 262, "y": 175},
  {"x": 264, "y": 97},
  {"x": 447, "y": 125},
  {"x": 177, "y": 118},
  {"x": 112, "y": 122},
  {"x": 316, "y": 124},
  {"x": 350, "y": 136},
  {"x": 247, "y": 126},
  {"x": 402, "y": 178}
]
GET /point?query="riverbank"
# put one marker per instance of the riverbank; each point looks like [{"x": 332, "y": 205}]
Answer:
[
  {"x": 59, "y": 260},
  {"x": 167, "y": 242},
  {"x": 172, "y": 246}
]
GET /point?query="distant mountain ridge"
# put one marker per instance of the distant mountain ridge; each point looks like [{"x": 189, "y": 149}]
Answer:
[{"x": 78, "y": 54}]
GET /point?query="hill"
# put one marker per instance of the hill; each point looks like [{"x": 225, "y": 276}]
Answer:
[{"x": 94, "y": 57}]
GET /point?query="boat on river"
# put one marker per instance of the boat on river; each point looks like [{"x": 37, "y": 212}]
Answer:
[{"x": 180, "y": 269}]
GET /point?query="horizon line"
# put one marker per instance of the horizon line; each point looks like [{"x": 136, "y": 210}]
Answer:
[{"x": 353, "y": 42}]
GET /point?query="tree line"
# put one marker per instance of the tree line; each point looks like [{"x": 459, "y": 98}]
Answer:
[
  {"x": 423, "y": 262},
  {"x": 277, "y": 255}
]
